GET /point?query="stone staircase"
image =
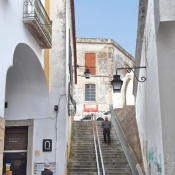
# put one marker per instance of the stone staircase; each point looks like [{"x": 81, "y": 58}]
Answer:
[
  {"x": 115, "y": 162},
  {"x": 82, "y": 160}
]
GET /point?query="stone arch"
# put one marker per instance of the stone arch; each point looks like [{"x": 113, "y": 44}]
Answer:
[
  {"x": 26, "y": 87},
  {"x": 127, "y": 80}
]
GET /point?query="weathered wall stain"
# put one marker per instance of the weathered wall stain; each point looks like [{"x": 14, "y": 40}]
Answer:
[{"x": 169, "y": 164}]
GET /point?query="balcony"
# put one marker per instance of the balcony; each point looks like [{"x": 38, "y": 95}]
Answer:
[{"x": 37, "y": 21}]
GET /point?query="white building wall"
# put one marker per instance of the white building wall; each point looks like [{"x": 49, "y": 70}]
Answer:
[
  {"x": 103, "y": 60},
  {"x": 130, "y": 100},
  {"x": 120, "y": 59},
  {"x": 166, "y": 63},
  {"x": 59, "y": 79},
  {"x": 13, "y": 32},
  {"x": 108, "y": 58},
  {"x": 24, "y": 84},
  {"x": 154, "y": 100},
  {"x": 148, "y": 101},
  {"x": 167, "y": 10}
]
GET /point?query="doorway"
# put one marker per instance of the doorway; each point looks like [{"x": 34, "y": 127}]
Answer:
[
  {"x": 17, "y": 162},
  {"x": 15, "y": 150}
]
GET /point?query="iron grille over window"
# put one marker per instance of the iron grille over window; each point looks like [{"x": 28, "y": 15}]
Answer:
[{"x": 90, "y": 92}]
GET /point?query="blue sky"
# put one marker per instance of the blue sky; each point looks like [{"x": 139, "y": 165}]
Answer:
[{"x": 115, "y": 19}]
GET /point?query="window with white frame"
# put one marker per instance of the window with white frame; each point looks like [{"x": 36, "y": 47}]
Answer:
[{"x": 90, "y": 92}]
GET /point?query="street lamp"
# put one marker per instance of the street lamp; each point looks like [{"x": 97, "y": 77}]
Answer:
[
  {"x": 87, "y": 74},
  {"x": 117, "y": 82}
]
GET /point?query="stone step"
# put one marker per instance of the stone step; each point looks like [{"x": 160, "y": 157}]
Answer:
[
  {"x": 115, "y": 155},
  {"x": 95, "y": 173},
  {"x": 82, "y": 173},
  {"x": 83, "y": 144},
  {"x": 83, "y": 154},
  {"x": 83, "y": 137},
  {"x": 83, "y": 163},
  {"x": 118, "y": 170},
  {"x": 107, "y": 166},
  {"x": 83, "y": 169},
  {"x": 94, "y": 169},
  {"x": 83, "y": 159}
]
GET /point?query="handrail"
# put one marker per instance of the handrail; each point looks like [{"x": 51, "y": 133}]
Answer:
[
  {"x": 99, "y": 146},
  {"x": 95, "y": 145}
]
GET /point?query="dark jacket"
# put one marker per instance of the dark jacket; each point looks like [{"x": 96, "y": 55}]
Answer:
[
  {"x": 106, "y": 125},
  {"x": 46, "y": 172}
]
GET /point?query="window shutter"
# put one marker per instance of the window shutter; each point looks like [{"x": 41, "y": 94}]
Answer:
[{"x": 90, "y": 62}]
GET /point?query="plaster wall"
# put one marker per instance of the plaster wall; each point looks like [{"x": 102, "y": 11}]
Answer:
[
  {"x": 125, "y": 97},
  {"x": 148, "y": 112},
  {"x": 166, "y": 63},
  {"x": 120, "y": 60},
  {"x": 13, "y": 32},
  {"x": 103, "y": 69},
  {"x": 26, "y": 83},
  {"x": 59, "y": 79},
  {"x": 130, "y": 100},
  {"x": 167, "y": 10},
  {"x": 26, "y": 87},
  {"x": 44, "y": 129}
]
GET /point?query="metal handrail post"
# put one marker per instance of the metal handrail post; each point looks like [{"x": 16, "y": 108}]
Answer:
[
  {"x": 99, "y": 146},
  {"x": 96, "y": 154}
]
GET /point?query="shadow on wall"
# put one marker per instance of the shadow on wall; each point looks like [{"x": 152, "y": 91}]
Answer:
[{"x": 26, "y": 86}]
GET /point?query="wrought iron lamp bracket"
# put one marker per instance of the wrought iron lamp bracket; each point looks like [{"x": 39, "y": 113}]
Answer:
[{"x": 129, "y": 69}]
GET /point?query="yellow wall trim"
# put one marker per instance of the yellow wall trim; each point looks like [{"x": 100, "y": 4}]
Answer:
[{"x": 46, "y": 51}]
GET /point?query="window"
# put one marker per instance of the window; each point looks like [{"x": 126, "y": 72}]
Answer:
[
  {"x": 90, "y": 62},
  {"x": 90, "y": 92}
]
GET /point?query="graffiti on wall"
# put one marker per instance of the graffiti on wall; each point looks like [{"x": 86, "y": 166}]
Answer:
[{"x": 154, "y": 161}]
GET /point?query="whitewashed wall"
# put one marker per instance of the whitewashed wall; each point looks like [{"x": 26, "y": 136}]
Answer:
[
  {"x": 119, "y": 99},
  {"x": 13, "y": 32},
  {"x": 26, "y": 89},
  {"x": 154, "y": 100},
  {"x": 103, "y": 62},
  {"x": 59, "y": 79},
  {"x": 148, "y": 101}
]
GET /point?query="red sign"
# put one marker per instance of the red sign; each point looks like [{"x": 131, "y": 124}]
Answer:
[{"x": 90, "y": 108}]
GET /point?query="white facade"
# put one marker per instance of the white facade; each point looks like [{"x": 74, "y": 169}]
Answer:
[
  {"x": 30, "y": 99},
  {"x": 109, "y": 56},
  {"x": 155, "y": 97}
]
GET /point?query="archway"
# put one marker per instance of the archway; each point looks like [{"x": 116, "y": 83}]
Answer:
[
  {"x": 26, "y": 98},
  {"x": 26, "y": 87}
]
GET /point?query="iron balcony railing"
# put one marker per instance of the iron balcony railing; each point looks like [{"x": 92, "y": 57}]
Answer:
[{"x": 35, "y": 9}]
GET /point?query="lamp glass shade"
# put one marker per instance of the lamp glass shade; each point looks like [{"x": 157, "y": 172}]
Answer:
[
  {"x": 87, "y": 74},
  {"x": 117, "y": 84}
]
